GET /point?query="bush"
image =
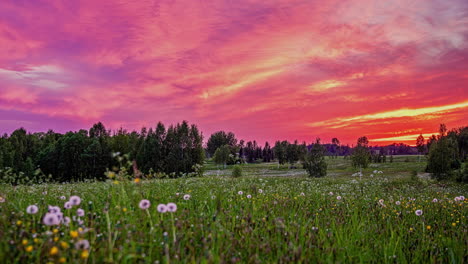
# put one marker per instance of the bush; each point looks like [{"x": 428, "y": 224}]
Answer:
[
  {"x": 314, "y": 161},
  {"x": 236, "y": 171},
  {"x": 443, "y": 158}
]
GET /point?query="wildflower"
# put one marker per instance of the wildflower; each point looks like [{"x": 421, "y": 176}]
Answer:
[
  {"x": 137, "y": 180},
  {"x": 29, "y": 248},
  {"x": 51, "y": 219},
  {"x": 435, "y": 200},
  {"x": 54, "y": 209},
  {"x": 75, "y": 200},
  {"x": 162, "y": 208},
  {"x": 64, "y": 245},
  {"x": 32, "y": 209},
  {"x": 80, "y": 212},
  {"x": 187, "y": 197},
  {"x": 260, "y": 191},
  {"x": 2, "y": 200},
  {"x": 171, "y": 207},
  {"x": 62, "y": 260},
  {"x": 66, "y": 220},
  {"x": 249, "y": 196},
  {"x": 63, "y": 197},
  {"x": 144, "y": 204},
  {"x": 428, "y": 227},
  {"x": 240, "y": 192},
  {"x": 24, "y": 242},
  {"x": 124, "y": 210},
  {"x": 18, "y": 223},
  {"x": 84, "y": 254},
  {"x": 302, "y": 194},
  {"x": 314, "y": 228},
  {"x": 418, "y": 212},
  {"x": 330, "y": 193},
  {"x": 338, "y": 197},
  {"x": 82, "y": 244},
  {"x": 454, "y": 224},
  {"x": 67, "y": 205},
  {"x": 74, "y": 234},
  {"x": 54, "y": 251},
  {"x": 177, "y": 194}
]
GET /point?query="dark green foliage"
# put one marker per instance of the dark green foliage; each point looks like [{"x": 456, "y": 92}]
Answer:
[
  {"x": 237, "y": 171},
  {"x": 76, "y": 156},
  {"x": 361, "y": 154},
  {"x": 221, "y": 156},
  {"x": 314, "y": 161},
  {"x": 219, "y": 139},
  {"x": 443, "y": 157}
]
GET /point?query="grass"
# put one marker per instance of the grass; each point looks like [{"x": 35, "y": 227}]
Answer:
[{"x": 289, "y": 218}]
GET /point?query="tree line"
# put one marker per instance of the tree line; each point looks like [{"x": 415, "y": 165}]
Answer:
[{"x": 87, "y": 154}]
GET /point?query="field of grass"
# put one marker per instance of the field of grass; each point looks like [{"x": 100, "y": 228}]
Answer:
[{"x": 271, "y": 215}]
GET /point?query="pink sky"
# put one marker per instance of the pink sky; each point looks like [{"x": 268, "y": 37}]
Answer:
[{"x": 265, "y": 70}]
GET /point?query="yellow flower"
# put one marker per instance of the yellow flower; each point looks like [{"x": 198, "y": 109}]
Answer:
[
  {"x": 24, "y": 242},
  {"x": 111, "y": 174},
  {"x": 54, "y": 251},
  {"x": 62, "y": 260},
  {"x": 55, "y": 230},
  {"x": 56, "y": 239},
  {"x": 64, "y": 245},
  {"x": 116, "y": 182},
  {"x": 29, "y": 248},
  {"x": 124, "y": 210},
  {"x": 454, "y": 224},
  {"x": 18, "y": 223},
  {"x": 137, "y": 180},
  {"x": 36, "y": 240},
  {"x": 411, "y": 229},
  {"x": 84, "y": 254},
  {"x": 74, "y": 234},
  {"x": 80, "y": 229},
  {"x": 428, "y": 227}
]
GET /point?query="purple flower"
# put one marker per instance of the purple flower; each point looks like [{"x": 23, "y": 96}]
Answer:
[
  {"x": 75, "y": 200},
  {"x": 187, "y": 197},
  {"x": 171, "y": 207},
  {"x": 51, "y": 219},
  {"x": 418, "y": 212},
  {"x": 338, "y": 197},
  {"x": 66, "y": 220},
  {"x": 435, "y": 200},
  {"x": 240, "y": 192},
  {"x": 397, "y": 202},
  {"x": 67, "y": 205},
  {"x": 249, "y": 196},
  {"x": 162, "y": 208},
  {"x": 82, "y": 244},
  {"x": 63, "y": 197},
  {"x": 32, "y": 209},
  {"x": 80, "y": 212},
  {"x": 144, "y": 204},
  {"x": 54, "y": 209}
]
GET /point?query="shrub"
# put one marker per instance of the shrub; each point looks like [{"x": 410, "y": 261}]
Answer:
[
  {"x": 314, "y": 161},
  {"x": 236, "y": 171}
]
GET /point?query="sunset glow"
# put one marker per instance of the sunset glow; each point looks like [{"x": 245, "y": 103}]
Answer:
[{"x": 265, "y": 70}]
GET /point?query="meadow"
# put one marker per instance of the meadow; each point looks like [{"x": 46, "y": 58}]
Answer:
[{"x": 391, "y": 214}]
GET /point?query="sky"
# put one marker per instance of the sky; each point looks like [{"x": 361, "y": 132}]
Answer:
[{"x": 265, "y": 70}]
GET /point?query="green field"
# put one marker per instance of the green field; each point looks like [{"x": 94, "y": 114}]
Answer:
[{"x": 281, "y": 216}]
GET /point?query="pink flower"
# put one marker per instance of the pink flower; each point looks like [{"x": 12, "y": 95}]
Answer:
[
  {"x": 240, "y": 192},
  {"x": 32, "y": 209},
  {"x": 260, "y": 191},
  {"x": 435, "y": 200},
  {"x": 144, "y": 204},
  {"x": 67, "y": 205},
  {"x": 338, "y": 197},
  {"x": 51, "y": 219},
  {"x": 171, "y": 207},
  {"x": 249, "y": 196},
  {"x": 162, "y": 208},
  {"x": 66, "y": 220},
  {"x": 80, "y": 212},
  {"x": 82, "y": 244},
  {"x": 397, "y": 202},
  {"x": 418, "y": 212},
  {"x": 187, "y": 197},
  {"x": 75, "y": 200},
  {"x": 54, "y": 209}
]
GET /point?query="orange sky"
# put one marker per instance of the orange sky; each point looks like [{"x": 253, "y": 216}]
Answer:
[{"x": 265, "y": 70}]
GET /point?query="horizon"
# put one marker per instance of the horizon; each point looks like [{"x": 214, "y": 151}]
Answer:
[{"x": 266, "y": 71}]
